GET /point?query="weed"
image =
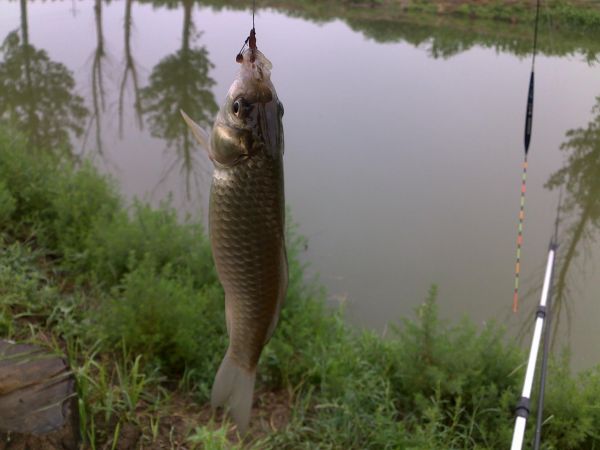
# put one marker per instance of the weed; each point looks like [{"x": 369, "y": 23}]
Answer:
[{"x": 208, "y": 438}]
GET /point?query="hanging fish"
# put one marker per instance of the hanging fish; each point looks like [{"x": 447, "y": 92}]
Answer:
[{"x": 246, "y": 225}]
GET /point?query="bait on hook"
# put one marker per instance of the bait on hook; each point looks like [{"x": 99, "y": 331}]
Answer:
[{"x": 250, "y": 40}]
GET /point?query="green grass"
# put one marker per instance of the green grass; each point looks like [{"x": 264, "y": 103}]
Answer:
[{"x": 129, "y": 294}]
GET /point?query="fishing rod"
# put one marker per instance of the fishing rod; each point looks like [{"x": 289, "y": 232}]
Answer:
[
  {"x": 546, "y": 342},
  {"x": 527, "y": 141},
  {"x": 542, "y": 323},
  {"x": 542, "y": 315}
]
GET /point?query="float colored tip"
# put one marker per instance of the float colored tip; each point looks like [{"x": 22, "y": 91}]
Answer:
[{"x": 515, "y": 307}]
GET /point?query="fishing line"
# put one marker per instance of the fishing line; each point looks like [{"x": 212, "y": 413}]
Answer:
[
  {"x": 239, "y": 57},
  {"x": 250, "y": 40},
  {"x": 527, "y": 141}
]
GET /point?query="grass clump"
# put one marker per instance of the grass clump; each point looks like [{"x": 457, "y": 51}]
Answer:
[
  {"x": 173, "y": 325},
  {"x": 431, "y": 385},
  {"x": 55, "y": 207},
  {"x": 130, "y": 295},
  {"x": 7, "y": 203},
  {"x": 120, "y": 242},
  {"x": 458, "y": 375}
]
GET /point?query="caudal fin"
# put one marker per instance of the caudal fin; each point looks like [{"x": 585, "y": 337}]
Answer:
[{"x": 234, "y": 387}]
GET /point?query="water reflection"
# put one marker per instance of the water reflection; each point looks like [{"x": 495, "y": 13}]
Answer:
[
  {"x": 181, "y": 81},
  {"x": 450, "y": 36},
  {"x": 130, "y": 70},
  {"x": 579, "y": 179},
  {"x": 442, "y": 35},
  {"x": 37, "y": 94},
  {"x": 97, "y": 79}
]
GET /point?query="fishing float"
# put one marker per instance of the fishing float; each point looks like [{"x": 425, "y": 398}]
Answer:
[
  {"x": 527, "y": 141},
  {"x": 542, "y": 314}
]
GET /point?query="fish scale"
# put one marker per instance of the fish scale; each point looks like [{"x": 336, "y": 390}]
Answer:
[{"x": 246, "y": 224}]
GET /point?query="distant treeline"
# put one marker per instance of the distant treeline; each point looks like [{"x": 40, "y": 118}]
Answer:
[
  {"x": 577, "y": 13},
  {"x": 566, "y": 27},
  {"x": 447, "y": 27}
]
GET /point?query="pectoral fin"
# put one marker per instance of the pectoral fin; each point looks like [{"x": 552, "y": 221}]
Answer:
[{"x": 199, "y": 133}]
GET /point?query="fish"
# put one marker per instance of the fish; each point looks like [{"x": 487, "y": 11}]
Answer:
[{"x": 247, "y": 225}]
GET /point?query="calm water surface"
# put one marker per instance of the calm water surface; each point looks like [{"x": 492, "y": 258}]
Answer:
[{"x": 402, "y": 168}]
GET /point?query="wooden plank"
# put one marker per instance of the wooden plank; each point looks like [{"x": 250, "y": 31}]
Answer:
[
  {"x": 24, "y": 365},
  {"x": 37, "y": 397}
]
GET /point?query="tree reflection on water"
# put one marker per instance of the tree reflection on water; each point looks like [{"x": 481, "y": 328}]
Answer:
[
  {"x": 181, "y": 81},
  {"x": 130, "y": 70},
  {"x": 97, "y": 79},
  {"x": 37, "y": 95},
  {"x": 579, "y": 179}
]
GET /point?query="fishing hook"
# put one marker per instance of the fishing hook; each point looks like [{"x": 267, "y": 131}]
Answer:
[{"x": 250, "y": 40}]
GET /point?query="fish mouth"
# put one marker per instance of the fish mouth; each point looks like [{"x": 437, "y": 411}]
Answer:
[{"x": 253, "y": 60}]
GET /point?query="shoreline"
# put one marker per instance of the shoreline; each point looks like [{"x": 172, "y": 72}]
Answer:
[
  {"x": 559, "y": 13},
  {"x": 565, "y": 29}
]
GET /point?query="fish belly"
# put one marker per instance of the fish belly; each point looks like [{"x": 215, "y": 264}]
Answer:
[{"x": 246, "y": 220}]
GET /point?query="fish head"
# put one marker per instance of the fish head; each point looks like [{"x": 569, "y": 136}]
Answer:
[{"x": 250, "y": 120}]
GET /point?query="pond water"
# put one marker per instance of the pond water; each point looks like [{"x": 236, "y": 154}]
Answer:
[{"x": 403, "y": 143}]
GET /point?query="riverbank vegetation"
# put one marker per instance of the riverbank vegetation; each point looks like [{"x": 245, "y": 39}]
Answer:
[
  {"x": 567, "y": 27},
  {"x": 572, "y": 13},
  {"x": 562, "y": 13},
  {"x": 129, "y": 294}
]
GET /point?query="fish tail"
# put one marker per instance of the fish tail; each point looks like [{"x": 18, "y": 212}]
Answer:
[{"x": 234, "y": 387}]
